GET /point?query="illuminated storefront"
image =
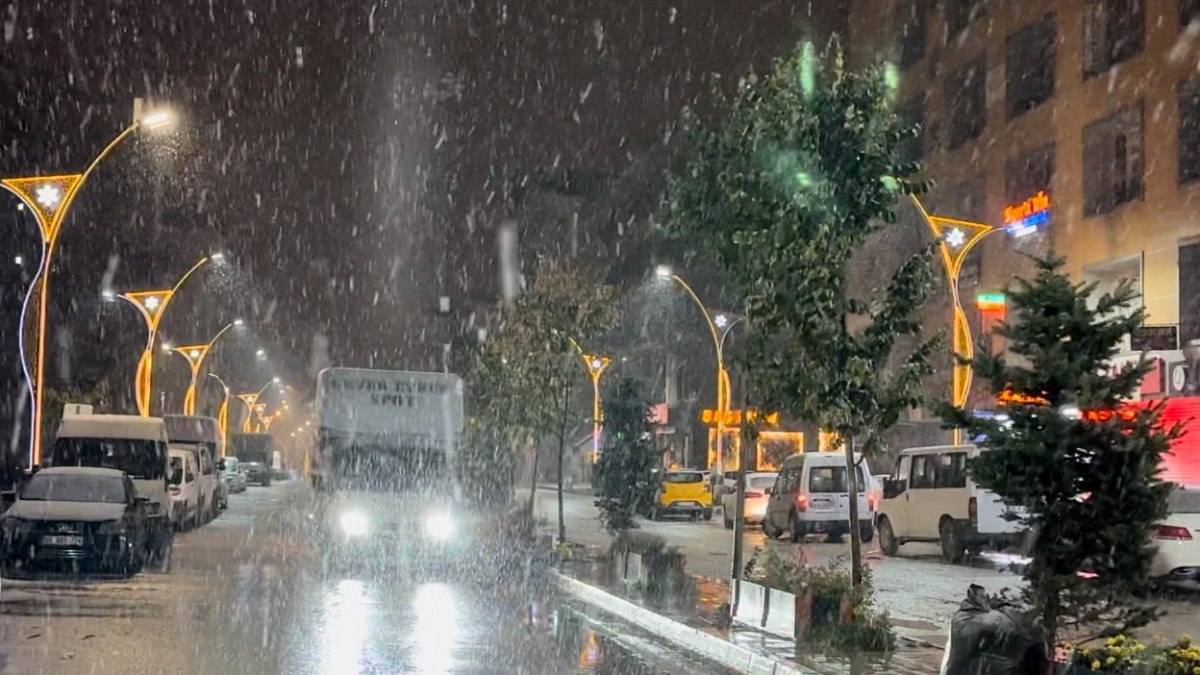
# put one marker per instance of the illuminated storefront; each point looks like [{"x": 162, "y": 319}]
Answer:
[{"x": 773, "y": 445}]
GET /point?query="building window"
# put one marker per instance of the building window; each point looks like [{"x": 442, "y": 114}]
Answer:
[
  {"x": 1189, "y": 130},
  {"x": 912, "y": 114},
  {"x": 1189, "y": 292},
  {"x": 1113, "y": 161},
  {"x": 1026, "y": 176},
  {"x": 965, "y": 98},
  {"x": 960, "y": 14},
  {"x": 1029, "y": 66},
  {"x": 910, "y": 27},
  {"x": 1189, "y": 11},
  {"x": 1113, "y": 31}
]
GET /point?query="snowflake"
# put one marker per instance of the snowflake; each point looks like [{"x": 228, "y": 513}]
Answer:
[
  {"x": 48, "y": 195},
  {"x": 956, "y": 237}
]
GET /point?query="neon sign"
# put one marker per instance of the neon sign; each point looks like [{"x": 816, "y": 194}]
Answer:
[
  {"x": 990, "y": 302},
  {"x": 734, "y": 417},
  {"x": 1025, "y": 218}
]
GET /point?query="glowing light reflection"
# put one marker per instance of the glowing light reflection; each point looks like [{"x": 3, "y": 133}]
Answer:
[
  {"x": 436, "y": 632},
  {"x": 344, "y": 626}
]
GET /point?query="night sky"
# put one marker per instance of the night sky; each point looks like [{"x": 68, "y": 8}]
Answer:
[{"x": 353, "y": 157}]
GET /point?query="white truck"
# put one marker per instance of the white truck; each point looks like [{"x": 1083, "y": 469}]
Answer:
[{"x": 385, "y": 457}]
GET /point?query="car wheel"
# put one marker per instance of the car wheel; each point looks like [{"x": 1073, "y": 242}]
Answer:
[
  {"x": 887, "y": 538},
  {"x": 796, "y": 528},
  {"x": 952, "y": 548},
  {"x": 728, "y": 523},
  {"x": 866, "y": 533},
  {"x": 708, "y": 514},
  {"x": 769, "y": 529}
]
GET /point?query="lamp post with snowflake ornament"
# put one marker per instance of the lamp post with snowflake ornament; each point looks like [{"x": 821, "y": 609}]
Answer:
[{"x": 49, "y": 198}]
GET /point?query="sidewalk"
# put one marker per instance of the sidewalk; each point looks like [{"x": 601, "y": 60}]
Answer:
[{"x": 692, "y": 622}]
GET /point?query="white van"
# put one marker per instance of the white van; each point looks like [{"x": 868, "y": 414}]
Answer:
[
  {"x": 184, "y": 488},
  {"x": 931, "y": 498},
  {"x": 133, "y": 444},
  {"x": 812, "y": 494},
  {"x": 202, "y": 436}
]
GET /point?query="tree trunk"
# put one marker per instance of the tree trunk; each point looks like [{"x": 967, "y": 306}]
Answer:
[
  {"x": 533, "y": 478},
  {"x": 855, "y": 533},
  {"x": 562, "y": 447}
]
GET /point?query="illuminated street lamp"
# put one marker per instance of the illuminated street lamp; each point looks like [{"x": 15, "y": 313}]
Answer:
[
  {"x": 194, "y": 354},
  {"x": 719, "y": 325},
  {"x": 595, "y": 366},
  {"x": 152, "y": 305},
  {"x": 253, "y": 407},
  {"x": 955, "y": 239},
  {"x": 49, "y": 198},
  {"x": 223, "y": 415}
]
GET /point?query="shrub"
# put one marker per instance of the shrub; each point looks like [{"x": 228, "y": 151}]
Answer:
[
  {"x": 1181, "y": 658},
  {"x": 1118, "y": 656}
]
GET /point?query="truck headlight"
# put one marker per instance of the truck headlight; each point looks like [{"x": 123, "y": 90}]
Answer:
[
  {"x": 354, "y": 523},
  {"x": 439, "y": 526}
]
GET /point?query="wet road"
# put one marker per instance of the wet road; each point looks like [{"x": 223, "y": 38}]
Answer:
[{"x": 246, "y": 594}]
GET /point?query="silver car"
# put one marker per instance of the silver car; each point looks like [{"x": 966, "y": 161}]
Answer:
[{"x": 233, "y": 476}]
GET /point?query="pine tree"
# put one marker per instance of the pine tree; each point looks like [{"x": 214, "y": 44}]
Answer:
[
  {"x": 625, "y": 471},
  {"x": 1088, "y": 481}
]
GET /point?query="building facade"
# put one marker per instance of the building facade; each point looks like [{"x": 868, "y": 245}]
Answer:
[{"x": 1073, "y": 125}]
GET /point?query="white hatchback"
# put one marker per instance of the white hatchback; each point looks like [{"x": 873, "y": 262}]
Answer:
[
  {"x": 755, "y": 507},
  {"x": 1177, "y": 558}
]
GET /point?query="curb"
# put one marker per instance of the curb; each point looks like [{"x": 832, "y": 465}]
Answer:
[{"x": 694, "y": 640}]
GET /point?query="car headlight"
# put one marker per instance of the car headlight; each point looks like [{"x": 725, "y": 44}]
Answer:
[
  {"x": 111, "y": 527},
  {"x": 439, "y": 526},
  {"x": 354, "y": 523}
]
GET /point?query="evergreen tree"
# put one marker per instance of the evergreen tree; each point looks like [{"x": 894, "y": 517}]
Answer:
[
  {"x": 625, "y": 472},
  {"x": 1088, "y": 482},
  {"x": 802, "y": 171}
]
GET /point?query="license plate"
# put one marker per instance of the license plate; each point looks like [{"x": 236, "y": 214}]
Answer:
[{"x": 62, "y": 540}]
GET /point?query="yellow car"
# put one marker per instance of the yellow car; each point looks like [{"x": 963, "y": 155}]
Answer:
[{"x": 683, "y": 492}]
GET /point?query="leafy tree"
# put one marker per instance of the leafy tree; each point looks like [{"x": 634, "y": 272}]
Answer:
[
  {"x": 538, "y": 354},
  {"x": 625, "y": 472},
  {"x": 793, "y": 182},
  {"x": 486, "y": 461},
  {"x": 1089, "y": 484}
]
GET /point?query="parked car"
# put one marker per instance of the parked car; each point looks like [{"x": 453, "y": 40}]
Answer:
[
  {"x": 184, "y": 489},
  {"x": 81, "y": 518},
  {"x": 812, "y": 494},
  {"x": 683, "y": 492},
  {"x": 234, "y": 476},
  {"x": 130, "y": 443},
  {"x": 202, "y": 436},
  {"x": 1177, "y": 558},
  {"x": 931, "y": 498},
  {"x": 755, "y": 506},
  {"x": 255, "y": 453}
]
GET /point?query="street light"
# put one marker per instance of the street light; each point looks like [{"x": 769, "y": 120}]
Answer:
[
  {"x": 152, "y": 305},
  {"x": 49, "y": 198},
  {"x": 955, "y": 239},
  {"x": 596, "y": 366},
  {"x": 223, "y": 415},
  {"x": 719, "y": 325},
  {"x": 194, "y": 354},
  {"x": 252, "y": 404}
]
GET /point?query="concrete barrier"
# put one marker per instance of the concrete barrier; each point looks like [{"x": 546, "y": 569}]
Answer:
[
  {"x": 707, "y": 645},
  {"x": 781, "y": 617}
]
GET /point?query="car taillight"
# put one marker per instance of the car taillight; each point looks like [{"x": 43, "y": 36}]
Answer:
[
  {"x": 754, "y": 495},
  {"x": 801, "y": 502},
  {"x": 1173, "y": 532},
  {"x": 973, "y": 511}
]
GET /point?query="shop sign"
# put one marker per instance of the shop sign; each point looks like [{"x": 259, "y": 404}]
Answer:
[
  {"x": 1026, "y": 217},
  {"x": 733, "y": 418},
  {"x": 1158, "y": 338}
]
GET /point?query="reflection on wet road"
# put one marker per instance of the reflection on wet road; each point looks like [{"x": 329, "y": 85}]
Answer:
[{"x": 247, "y": 594}]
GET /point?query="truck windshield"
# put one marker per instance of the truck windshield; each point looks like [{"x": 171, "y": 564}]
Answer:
[
  {"x": 365, "y": 468},
  {"x": 142, "y": 459}
]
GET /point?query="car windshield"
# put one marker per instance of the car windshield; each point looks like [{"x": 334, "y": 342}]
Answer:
[
  {"x": 683, "y": 477},
  {"x": 1184, "y": 501},
  {"x": 760, "y": 481},
  {"x": 141, "y": 459},
  {"x": 75, "y": 488}
]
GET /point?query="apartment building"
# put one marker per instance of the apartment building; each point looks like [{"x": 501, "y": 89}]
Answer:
[{"x": 1074, "y": 125}]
